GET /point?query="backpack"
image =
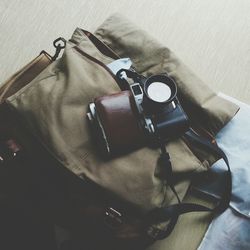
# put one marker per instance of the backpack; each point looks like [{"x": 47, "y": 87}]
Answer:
[{"x": 126, "y": 202}]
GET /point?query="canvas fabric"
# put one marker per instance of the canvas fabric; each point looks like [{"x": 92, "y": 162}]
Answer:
[{"x": 54, "y": 106}]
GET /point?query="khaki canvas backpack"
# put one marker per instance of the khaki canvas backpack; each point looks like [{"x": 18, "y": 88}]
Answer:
[{"x": 123, "y": 202}]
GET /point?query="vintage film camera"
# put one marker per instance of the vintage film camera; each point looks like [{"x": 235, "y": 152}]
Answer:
[{"x": 147, "y": 113}]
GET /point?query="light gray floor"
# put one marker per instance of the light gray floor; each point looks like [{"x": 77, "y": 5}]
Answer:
[{"x": 212, "y": 37}]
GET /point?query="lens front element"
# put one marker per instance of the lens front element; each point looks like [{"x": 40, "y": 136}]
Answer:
[
  {"x": 159, "y": 92},
  {"x": 160, "y": 89}
]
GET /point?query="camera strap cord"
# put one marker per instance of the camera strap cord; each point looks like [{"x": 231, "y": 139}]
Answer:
[{"x": 172, "y": 213}]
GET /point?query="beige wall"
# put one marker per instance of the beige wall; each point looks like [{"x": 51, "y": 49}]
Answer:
[{"x": 211, "y": 36}]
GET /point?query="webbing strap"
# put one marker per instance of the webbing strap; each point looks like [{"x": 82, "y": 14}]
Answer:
[
  {"x": 170, "y": 213},
  {"x": 174, "y": 211}
]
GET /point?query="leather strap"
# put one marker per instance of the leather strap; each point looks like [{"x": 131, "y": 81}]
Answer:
[
  {"x": 24, "y": 75},
  {"x": 174, "y": 211}
]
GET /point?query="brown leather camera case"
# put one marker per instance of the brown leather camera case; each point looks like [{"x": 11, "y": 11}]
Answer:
[{"x": 118, "y": 115}]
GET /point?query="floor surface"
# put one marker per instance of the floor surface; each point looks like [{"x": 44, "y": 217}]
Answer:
[{"x": 212, "y": 37}]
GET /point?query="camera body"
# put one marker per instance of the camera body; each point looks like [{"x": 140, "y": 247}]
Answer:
[
  {"x": 147, "y": 112},
  {"x": 161, "y": 114}
]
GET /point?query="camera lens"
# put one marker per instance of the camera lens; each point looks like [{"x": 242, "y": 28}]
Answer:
[
  {"x": 160, "y": 89},
  {"x": 159, "y": 92}
]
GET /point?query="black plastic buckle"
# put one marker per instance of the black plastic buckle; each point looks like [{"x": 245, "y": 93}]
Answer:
[{"x": 112, "y": 218}]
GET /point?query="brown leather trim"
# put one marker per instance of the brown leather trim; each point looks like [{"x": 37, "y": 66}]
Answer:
[
  {"x": 189, "y": 145},
  {"x": 204, "y": 133},
  {"x": 24, "y": 76}
]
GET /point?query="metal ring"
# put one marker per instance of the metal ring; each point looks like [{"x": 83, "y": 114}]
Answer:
[{"x": 58, "y": 41}]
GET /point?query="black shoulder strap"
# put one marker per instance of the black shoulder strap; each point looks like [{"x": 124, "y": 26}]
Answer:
[{"x": 174, "y": 211}]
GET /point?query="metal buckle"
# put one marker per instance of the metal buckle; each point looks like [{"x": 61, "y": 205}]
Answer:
[
  {"x": 112, "y": 218},
  {"x": 153, "y": 232},
  {"x": 8, "y": 150},
  {"x": 59, "y": 44}
]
